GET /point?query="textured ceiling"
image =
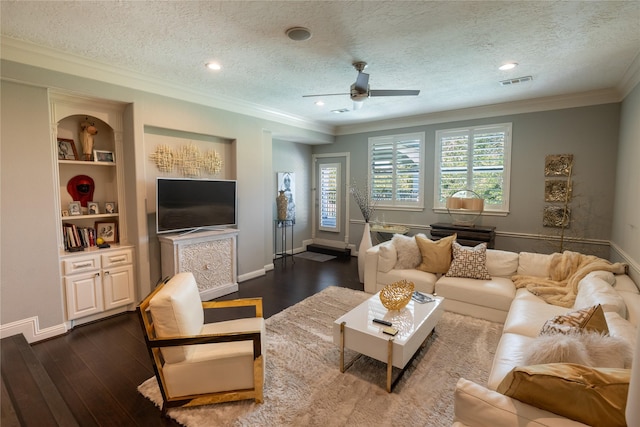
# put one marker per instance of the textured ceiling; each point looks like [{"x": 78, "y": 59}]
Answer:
[{"x": 449, "y": 50}]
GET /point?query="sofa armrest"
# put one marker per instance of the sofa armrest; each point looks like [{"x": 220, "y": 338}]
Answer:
[
  {"x": 477, "y": 406},
  {"x": 371, "y": 269}
]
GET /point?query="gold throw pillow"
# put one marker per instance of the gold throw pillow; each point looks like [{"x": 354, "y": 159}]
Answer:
[
  {"x": 436, "y": 255},
  {"x": 593, "y": 396}
]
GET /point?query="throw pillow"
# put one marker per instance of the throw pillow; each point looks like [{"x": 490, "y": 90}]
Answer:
[
  {"x": 588, "y": 319},
  {"x": 387, "y": 257},
  {"x": 589, "y": 349},
  {"x": 408, "y": 252},
  {"x": 436, "y": 255},
  {"x": 469, "y": 262},
  {"x": 556, "y": 387}
]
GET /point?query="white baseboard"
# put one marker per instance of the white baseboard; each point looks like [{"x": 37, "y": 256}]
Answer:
[
  {"x": 209, "y": 294},
  {"x": 253, "y": 274},
  {"x": 30, "y": 328}
]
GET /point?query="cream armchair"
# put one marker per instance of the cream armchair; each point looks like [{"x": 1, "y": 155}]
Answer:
[{"x": 197, "y": 363}]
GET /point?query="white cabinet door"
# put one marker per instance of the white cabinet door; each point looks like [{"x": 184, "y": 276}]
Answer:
[
  {"x": 117, "y": 283},
  {"x": 84, "y": 294}
]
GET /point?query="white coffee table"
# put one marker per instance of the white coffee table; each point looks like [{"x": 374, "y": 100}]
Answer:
[{"x": 356, "y": 331}]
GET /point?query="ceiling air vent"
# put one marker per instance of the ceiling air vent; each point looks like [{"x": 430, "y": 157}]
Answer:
[{"x": 516, "y": 80}]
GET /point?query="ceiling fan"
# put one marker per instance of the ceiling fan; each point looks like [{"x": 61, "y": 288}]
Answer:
[{"x": 360, "y": 89}]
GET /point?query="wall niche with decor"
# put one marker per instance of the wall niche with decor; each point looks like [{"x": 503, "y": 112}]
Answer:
[{"x": 96, "y": 257}]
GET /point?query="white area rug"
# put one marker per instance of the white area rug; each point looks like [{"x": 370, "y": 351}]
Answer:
[
  {"x": 304, "y": 385},
  {"x": 314, "y": 256}
]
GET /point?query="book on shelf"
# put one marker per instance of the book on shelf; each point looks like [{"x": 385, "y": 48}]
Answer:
[{"x": 78, "y": 237}]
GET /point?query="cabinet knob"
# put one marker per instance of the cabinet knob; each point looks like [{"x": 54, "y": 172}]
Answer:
[{"x": 97, "y": 275}]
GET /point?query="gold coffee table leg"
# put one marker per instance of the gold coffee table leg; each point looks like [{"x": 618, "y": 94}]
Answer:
[
  {"x": 389, "y": 364},
  {"x": 342, "y": 347}
]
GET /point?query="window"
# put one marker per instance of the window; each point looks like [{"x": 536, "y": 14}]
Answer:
[
  {"x": 329, "y": 188},
  {"x": 396, "y": 173},
  {"x": 477, "y": 159}
]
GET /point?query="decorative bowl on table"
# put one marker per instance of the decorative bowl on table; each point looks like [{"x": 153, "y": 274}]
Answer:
[{"x": 395, "y": 296}]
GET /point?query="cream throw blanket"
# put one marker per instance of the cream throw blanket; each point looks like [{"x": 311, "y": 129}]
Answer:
[{"x": 565, "y": 270}]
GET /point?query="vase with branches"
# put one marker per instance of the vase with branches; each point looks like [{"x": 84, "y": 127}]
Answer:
[{"x": 366, "y": 203}]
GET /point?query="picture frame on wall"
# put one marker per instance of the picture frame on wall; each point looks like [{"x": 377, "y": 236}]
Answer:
[
  {"x": 103, "y": 156},
  {"x": 67, "y": 149},
  {"x": 75, "y": 208},
  {"x": 108, "y": 230}
]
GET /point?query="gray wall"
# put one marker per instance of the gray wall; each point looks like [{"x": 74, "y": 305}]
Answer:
[
  {"x": 589, "y": 133},
  {"x": 626, "y": 219},
  {"x": 294, "y": 157},
  {"x": 29, "y": 267}
]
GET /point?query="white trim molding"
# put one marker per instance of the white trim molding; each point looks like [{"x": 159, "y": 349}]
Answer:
[{"x": 30, "y": 328}]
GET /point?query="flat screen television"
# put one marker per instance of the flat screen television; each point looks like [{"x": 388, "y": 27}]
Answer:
[{"x": 187, "y": 204}]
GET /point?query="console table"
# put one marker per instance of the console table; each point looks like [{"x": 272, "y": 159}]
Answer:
[
  {"x": 467, "y": 235},
  {"x": 210, "y": 255}
]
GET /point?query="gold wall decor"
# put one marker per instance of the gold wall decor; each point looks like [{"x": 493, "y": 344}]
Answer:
[
  {"x": 558, "y": 164},
  {"x": 163, "y": 158},
  {"x": 187, "y": 159},
  {"x": 557, "y": 190},
  {"x": 556, "y": 216}
]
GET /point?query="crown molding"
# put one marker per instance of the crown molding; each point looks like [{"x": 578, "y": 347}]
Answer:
[
  {"x": 631, "y": 77},
  {"x": 584, "y": 99},
  {"x": 63, "y": 62}
]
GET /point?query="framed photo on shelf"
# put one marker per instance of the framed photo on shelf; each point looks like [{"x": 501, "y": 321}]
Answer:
[
  {"x": 108, "y": 230},
  {"x": 93, "y": 207},
  {"x": 67, "y": 149},
  {"x": 110, "y": 207},
  {"x": 103, "y": 156},
  {"x": 75, "y": 208}
]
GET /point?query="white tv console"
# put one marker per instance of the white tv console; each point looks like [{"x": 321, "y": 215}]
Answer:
[{"x": 210, "y": 255}]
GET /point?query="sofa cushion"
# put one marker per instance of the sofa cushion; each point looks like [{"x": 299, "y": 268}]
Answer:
[
  {"x": 623, "y": 283},
  {"x": 502, "y": 263},
  {"x": 177, "y": 310},
  {"x": 495, "y": 293},
  {"x": 387, "y": 256},
  {"x": 592, "y": 290},
  {"x": 407, "y": 251},
  {"x": 556, "y": 387},
  {"x": 476, "y": 406},
  {"x": 509, "y": 354},
  {"x": 423, "y": 281},
  {"x": 587, "y": 319},
  {"x": 589, "y": 349},
  {"x": 436, "y": 255},
  {"x": 532, "y": 264},
  {"x": 469, "y": 262},
  {"x": 528, "y": 315},
  {"x": 619, "y": 327}
]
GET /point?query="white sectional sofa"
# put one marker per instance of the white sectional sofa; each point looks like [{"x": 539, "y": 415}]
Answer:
[{"x": 523, "y": 315}]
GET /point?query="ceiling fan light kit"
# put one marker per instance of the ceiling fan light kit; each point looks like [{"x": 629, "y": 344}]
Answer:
[{"x": 360, "y": 91}]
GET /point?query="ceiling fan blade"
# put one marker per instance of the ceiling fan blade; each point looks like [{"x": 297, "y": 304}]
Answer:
[
  {"x": 384, "y": 92},
  {"x": 325, "y": 94},
  {"x": 362, "y": 82}
]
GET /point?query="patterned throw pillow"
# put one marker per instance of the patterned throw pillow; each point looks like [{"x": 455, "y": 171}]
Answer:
[
  {"x": 588, "y": 319},
  {"x": 469, "y": 262}
]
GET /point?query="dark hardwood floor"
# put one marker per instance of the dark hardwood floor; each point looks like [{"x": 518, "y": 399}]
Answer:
[{"x": 96, "y": 368}]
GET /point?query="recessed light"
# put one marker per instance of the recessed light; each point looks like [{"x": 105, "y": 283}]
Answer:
[
  {"x": 342, "y": 110},
  {"x": 298, "y": 34},
  {"x": 319, "y": 103},
  {"x": 508, "y": 66},
  {"x": 213, "y": 66}
]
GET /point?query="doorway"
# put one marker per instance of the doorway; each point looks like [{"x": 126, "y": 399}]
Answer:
[{"x": 330, "y": 198}]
